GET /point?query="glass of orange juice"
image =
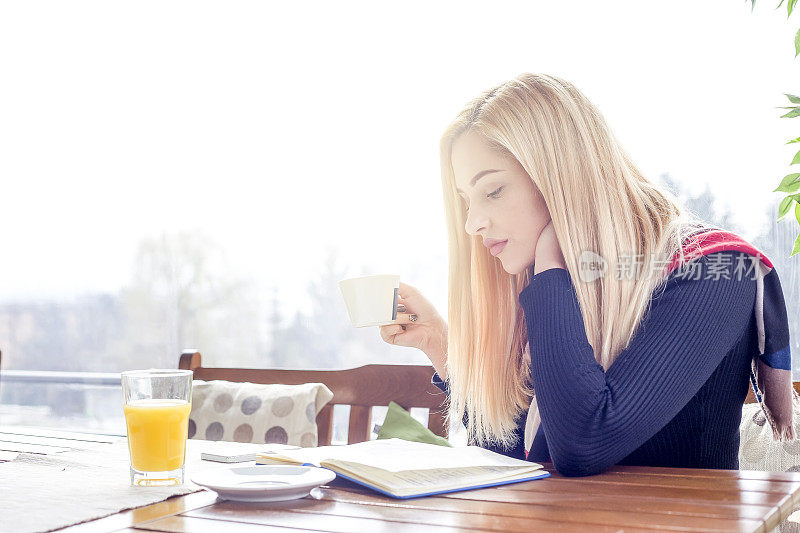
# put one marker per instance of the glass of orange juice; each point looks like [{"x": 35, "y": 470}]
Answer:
[{"x": 157, "y": 405}]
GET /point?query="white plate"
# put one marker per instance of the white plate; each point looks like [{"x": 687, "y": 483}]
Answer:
[{"x": 263, "y": 483}]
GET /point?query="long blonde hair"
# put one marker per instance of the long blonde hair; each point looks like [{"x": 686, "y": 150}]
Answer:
[{"x": 598, "y": 201}]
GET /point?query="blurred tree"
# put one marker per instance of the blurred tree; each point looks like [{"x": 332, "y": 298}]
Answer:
[
  {"x": 68, "y": 335},
  {"x": 702, "y": 205},
  {"x": 315, "y": 339},
  {"x": 324, "y": 337},
  {"x": 182, "y": 295}
]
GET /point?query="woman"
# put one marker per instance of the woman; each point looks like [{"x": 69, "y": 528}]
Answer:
[{"x": 560, "y": 248}]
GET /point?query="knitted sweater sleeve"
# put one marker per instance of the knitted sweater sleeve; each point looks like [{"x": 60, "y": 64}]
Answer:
[
  {"x": 594, "y": 418},
  {"x": 440, "y": 383}
]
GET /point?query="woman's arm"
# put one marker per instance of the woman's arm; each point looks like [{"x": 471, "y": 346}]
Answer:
[
  {"x": 594, "y": 418},
  {"x": 436, "y": 350}
]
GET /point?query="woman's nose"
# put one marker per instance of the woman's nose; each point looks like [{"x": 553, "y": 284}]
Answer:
[{"x": 475, "y": 221}]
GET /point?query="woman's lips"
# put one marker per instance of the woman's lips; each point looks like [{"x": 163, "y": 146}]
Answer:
[{"x": 497, "y": 248}]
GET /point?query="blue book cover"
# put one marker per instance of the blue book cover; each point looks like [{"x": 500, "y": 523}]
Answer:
[
  {"x": 536, "y": 475},
  {"x": 407, "y": 469}
]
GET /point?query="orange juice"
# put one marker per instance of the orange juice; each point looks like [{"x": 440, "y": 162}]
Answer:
[{"x": 157, "y": 431}]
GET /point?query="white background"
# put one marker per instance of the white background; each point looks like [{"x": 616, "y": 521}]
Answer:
[{"x": 283, "y": 128}]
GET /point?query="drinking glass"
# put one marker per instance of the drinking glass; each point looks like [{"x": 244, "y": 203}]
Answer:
[{"x": 157, "y": 405}]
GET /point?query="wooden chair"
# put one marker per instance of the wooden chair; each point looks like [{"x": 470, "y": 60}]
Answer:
[{"x": 361, "y": 388}]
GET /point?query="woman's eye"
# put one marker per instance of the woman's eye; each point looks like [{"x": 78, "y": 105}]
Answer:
[{"x": 495, "y": 193}]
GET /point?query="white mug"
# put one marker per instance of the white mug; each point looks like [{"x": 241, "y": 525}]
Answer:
[{"x": 371, "y": 300}]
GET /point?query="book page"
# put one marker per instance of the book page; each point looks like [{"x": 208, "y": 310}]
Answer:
[
  {"x": 412, "y": 482},
  {"x": 396, "y": 455}
]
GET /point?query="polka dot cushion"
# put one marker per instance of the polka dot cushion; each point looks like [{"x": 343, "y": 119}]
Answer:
[{"x": 252, "y": 412}]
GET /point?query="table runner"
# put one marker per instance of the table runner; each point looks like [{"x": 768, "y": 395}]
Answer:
[{"x": 45, "y": 492}]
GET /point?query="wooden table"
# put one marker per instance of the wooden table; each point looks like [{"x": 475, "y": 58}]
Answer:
[{"x": 622, "y": 499}]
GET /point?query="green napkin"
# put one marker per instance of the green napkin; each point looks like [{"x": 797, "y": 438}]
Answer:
[{"x": 400, "y": 424}]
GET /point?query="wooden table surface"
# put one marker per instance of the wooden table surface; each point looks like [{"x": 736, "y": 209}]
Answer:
[{"x": 621, "y": 499}]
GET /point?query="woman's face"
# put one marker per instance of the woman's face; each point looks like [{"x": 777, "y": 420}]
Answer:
[{"x": 504, "y": 204}]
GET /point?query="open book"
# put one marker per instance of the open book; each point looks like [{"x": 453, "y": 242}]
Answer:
[{"x": 406, "y": 469}]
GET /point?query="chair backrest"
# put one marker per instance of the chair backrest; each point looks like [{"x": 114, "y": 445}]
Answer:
[
  {"x": 361, "y": 388},
  {"x": 751, "y": 398}
]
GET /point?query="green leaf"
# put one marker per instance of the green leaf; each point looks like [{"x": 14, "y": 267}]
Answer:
[
  {"x": 790, "y": 6},
  {"x": 779, "y": 5},
  {"x": 796, "y": 159},
  {"x": 789, "y": 181},
  {"x": 796, "y": 248},
  {"x": 797, "y": 43},
  {"x": 784, "y": 206},
  {"x": 794, "y": 141},
  {"x": 792, "y": 98},
  {"x": 791, "y": 188},
  {"x": 791, "y": 114}
]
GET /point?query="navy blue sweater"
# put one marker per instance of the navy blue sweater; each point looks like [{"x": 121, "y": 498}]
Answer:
[{"x": 673, "y": 397}]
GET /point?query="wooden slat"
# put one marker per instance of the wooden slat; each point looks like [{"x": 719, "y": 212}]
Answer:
[
  {"x": 189, "y": 360},
  {"x": 693, "y": 472},
  {"x": 704, "y": 483},
  {"x": 657, "y": 499},
  {"x": 437, "y": 421},
  {"x": 709, "y": 494},
  {"x": 132, "y": 517},
  {"x": 366, "y": 385},
  {"x": 519, "y": 504},
  {"x": 781, "y": 512},
  {"x": 770, "y": 515},
  {"x": 42, "y": 449},
  {"x": 772, "y": 518},
  {"x": 325, "y": 425},
  {"x": 492, "y": 515},
  {"x": 346, "y": 517},
  {"x": 58, "y": 434},
  {"x": 358, "y": 427},
  {"x": 51, "y": 441},
  {"x": 8, "y": 456},
  {"x": 187, "y": 524}
]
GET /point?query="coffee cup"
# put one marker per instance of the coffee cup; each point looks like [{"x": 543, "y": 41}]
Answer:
[{"x": 371, "y": 300}]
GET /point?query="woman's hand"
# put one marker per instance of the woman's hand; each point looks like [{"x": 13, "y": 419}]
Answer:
[
  {"x": 548, "y": 251},
  {"x": 418, "y": 325}
]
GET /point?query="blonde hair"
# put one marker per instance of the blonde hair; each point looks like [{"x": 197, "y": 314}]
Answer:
[{"x": 598, "y": 201}]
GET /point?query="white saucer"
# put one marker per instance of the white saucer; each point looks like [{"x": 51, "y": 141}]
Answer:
[{"x": 263, "y": 483}]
